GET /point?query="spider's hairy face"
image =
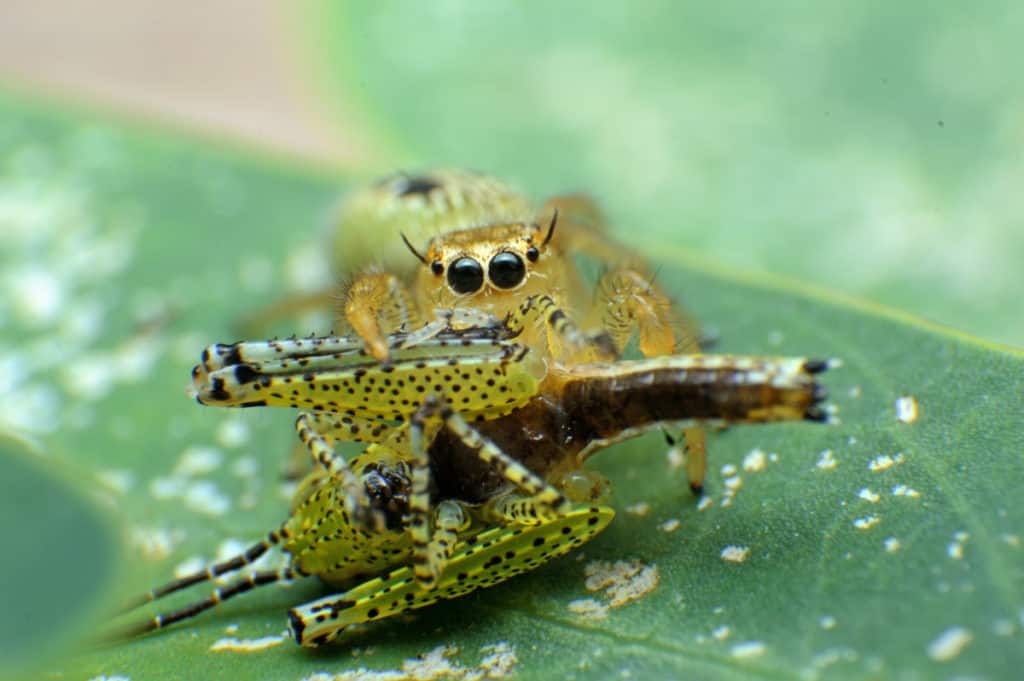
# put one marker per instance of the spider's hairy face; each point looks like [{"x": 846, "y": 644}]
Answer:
[{"x": 491, "y": 267}]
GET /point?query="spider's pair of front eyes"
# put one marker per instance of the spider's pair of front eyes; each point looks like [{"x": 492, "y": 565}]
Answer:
[{"x": 506, "y": 270}]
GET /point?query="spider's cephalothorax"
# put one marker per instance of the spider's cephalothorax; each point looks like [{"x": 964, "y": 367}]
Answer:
[{"x": 475, "y": 478}]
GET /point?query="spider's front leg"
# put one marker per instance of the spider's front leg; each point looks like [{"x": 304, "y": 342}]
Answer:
[{"x": 377, "y": 304}]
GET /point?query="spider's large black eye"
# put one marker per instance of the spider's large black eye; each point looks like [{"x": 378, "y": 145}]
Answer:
[
  {"x": 465, "y": 275},
  {"x": 506, "y": 270}
]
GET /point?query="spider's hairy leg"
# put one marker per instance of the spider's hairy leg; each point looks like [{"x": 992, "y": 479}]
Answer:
[
  {"x": 487, "y": 559},
  {"x": 377, "y": 304},
  {"x": 547, "y": 502}
]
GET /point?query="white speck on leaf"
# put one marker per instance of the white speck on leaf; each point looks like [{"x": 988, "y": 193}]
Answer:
[
  {"x": 866, "y": 523},
  {"x": 735, "y": 554},
  {"x": 869, "y": 496},
  {"x": 826, "y": 461},
  {"x": 892, "y": 545},
  {"x": 906, "y": 409},
  {"x": 755, "y": 461},
  {"x": 949, "y": 644},
  {"x": 639, "y": 509},
  {"x": 246, "y": 645}
]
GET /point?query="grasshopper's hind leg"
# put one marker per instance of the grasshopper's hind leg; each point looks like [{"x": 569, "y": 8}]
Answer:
[
  {"x": 547, "y": 502},
  {"x": 215, "y": 597},
  {"x": 319, "y": 430},
  {"x": 489, "y": 558}
]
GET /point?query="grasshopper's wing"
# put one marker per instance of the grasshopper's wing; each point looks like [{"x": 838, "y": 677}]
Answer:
[{"x": 488, "y": 559}]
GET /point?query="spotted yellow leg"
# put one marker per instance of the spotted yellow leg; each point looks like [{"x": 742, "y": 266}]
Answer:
[
  {"x": 424, "y": 424},
  {"x": 487, "y": 559}
]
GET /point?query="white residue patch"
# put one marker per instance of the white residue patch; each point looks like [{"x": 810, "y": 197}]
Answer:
[
  {"x": 232, "y": 433},
  {"x": 155, "y": 543},
  {"x": 247, "y": 645},
  {"x": 231, "y": 629},
  {"x": 721, "y": 632},
  {"x": 728, "y": 469},
  {"x": 955, "y": 549},
  {"x": 588, "y": 609},
  {"x": 705, "y": 503},
  {"x": 892, "y": 545},
  {"x": 676, "y": 457},
  {"x": 114, "y": 677},
  {"x": 621, "y": 581},
  {"x": 906, "y": 409},
  {"x": 866, "y": 523},
  {"x": 639, "y": 509},
  {"x": 735, "y": 554},
  {"x": 748, "y": 649},
  {"x": 904, "y": 491},
  {"x": 198, "y": 460},
  {"x": 189, "y": 566},
  {"x": 826, "y": 461},
  {"x": 670, "y": 525},
  {"x": 1011, "y": 540},
  {"x": 949, "y": 644},
  {"x": 827, "y": 622},
  {"x": 306, "y": 269},
  {"x": 203, "y": 496},
  {"x": 498, "y": 661},
  {"x": 36, "y": 295},
  {"x": 755, "y": 461},
  {"x": 868, "y": 496},
  {"x": 854, "y": 391},
  {"x": 884, "y": 462}
]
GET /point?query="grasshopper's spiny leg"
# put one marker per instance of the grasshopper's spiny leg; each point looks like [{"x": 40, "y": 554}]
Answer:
[
  {"x": 449, "y": 520},
  {"x": 326, "y": 456},
  {"x": 564, "y": 338},
  {"x": 489, "y": 558},
  {"x": 240, "y": 586},
  {"x": 547, "y": 501},
  {"x": 233, "y": 564}
]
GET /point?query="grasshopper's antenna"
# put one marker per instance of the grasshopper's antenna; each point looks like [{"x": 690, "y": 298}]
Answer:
[{"x": 417, "y": 253}]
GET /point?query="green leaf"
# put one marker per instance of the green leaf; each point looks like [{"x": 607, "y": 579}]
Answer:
[
  {"x": 126, "y": 251},
  {"x": 872, "y": 146}
]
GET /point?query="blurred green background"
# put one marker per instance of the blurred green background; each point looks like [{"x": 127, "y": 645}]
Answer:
[
  {"x": 165, "y": 169},
  {"x": 872, "y": 147}
]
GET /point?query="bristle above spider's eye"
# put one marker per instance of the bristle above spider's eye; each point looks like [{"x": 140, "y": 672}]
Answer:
[
  {"x": 507, "y": 270},
  {"x": 465, "y": 275}
]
